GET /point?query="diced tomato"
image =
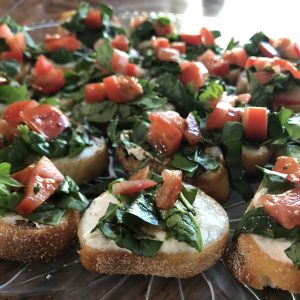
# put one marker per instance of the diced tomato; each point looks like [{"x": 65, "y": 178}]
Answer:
[
  {"x": 162, "y": 29},
  {"x": 46, "y": 78},
  {"x": 137, "y": 21},
  {"x": 160, "y": 42},
  {"x": 43, "y": 182},
  {"x": 56, "y": 42},
  {"x": 24, "y": 175},
  {"x": 288, "y": 99},
  {"x": 263, "y": 77},
  {"x": 286, "y": 165},
  {"x": 284, "y": 208},
  {"x": 222, "y": 113},
  {"x": 93, "y": 20},
  {"x": 179, "y": 46},
  {"x": 192, "y": 131},
  {"x": 191, "y": 39},
  {"x": 119, "y": 61},
  {"x": 168, "y": 193},
  {"x": 163, "y": 135},
  {"x": 168, "y": 54},
  {"x": 12, "y": 55},
  {"x": 192, "y": 75},
  {"x": 5, "y": 31},
  {"x": 140, "y": 174},
  {"x": 121, "y": 89},
  {"x": 133, "y": 70},
  {"x": 206, "y": 36},
  {"x": 16, "y": 42},
  {"x": 7, "y": 130},
  {"x": 286, "y": 47},
  {"x": 259, "y": 62},
  {"x": 120, "y": 42},
  {"x": 208, "y": 56},
  {"x": 287, "y": 66},
  {"x": 12, "y": 112},
  {"x": 236, "y": 56},
  {"x": 46, "y": 120},
  {"x": 267, "y": 49},
  {"x": 132, "y": 186},
  {"x": 95, "y": 92},
  {"x": 255, "y": 123}
]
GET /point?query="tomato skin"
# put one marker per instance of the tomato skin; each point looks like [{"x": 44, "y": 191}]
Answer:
[
  {"x": 12, "y": 112},
  {"x": 7, "y": 130},
  {"x": 160, "y": 42},
  {"x": 179, "y": 46},
  {"x": 24, "y": 175},
  {"x": 93, "y": 20},
  {"x": 140, "y": 174},
  {"x": 222, "y": 113},
  {"x": 95, "y": 92},
  {"x": 133, "y": 70},
  {"x": 5, "y": 31},
  {"x": 192, "y": 131},
  {"x": 132, "y": 186},
  {"x": 163, "y": 136},
  {"x": 267, "y": 49},
  {"x": 168, "y": 193},
  {"x": 55, "y": 42},
  {"x": 207, "y": 37},
  {"x": 45, "y": 176},
  {"x": 192, "y": 74},
  {"x": 263, "y": 77},
  {"x": 16, "y": 42},
  {"x": 162, "y": 30},
  {"x": 168, "y": 54},
  {"x": 119, "y": 61},
  {"x": 120, "y": 42},
  {"x": 286, "y": 165},
  {"x": 46, "y": 79},
  {"x": 46, "y": 120},
  {"x": 12, "y": 55},
  {"x": 284, "y": 208},
  {"x": 122, "y": 89},
  {"x": 191, "y": 39},
  {"x": 236, "y": 56}
]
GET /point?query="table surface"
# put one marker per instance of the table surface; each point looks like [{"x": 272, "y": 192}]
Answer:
[{"x": 234, "y": 18}]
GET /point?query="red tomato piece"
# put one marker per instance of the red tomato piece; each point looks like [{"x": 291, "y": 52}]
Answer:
[
  {"x": 286, "y": 165},
  {"x": 191, "y": 39},
  {"x": 120, "y": 42},
  {"x": 46, "y": 120},
  {"x": 7, "y": 130},
  {"x": 43, "y": 182},
  {"x": 206, "y": 37},
  {"x": 24, "y": 175},
  {"x": 133, "y": 70},
  {"x": 192, "y": 132},
  {"x": 160, "y": 42},
  {"x": 47, "y": 79},
  {"x": 192, "y": 75},
  {"x": 284, "y": 208},
  {"x": 16, "y": 42},
  {"x": 140, "y": 174},
  {"x": 162, "y": 29},
  {"x": 121, "y": 89},
  {"x": 236, "y": 56},
  {"x": 222, "y": 113},
  {"x": 168, "y": 193},
  {"x": 263, "y": 77},
  {"x": 163, "y": 135},
  {"x": 132, "y": 186},
  {"x": 255, "y": 123},
  {"x": 12, "y": 55},
  {"x": 12, "y": 112},
  {"x": 287, "y": 66},
  {"x": 93, "y": 20},
  {"x": 168, "y": 54},
  {"x": 95, "y": 92},
  {"x": 119, "y": 61},
  {"x": 259, "y": 62},
  {"x": 56, "y": 42},
  {"x": 267, "y": 49},
  {"x": 5, "y": 31},
  {"x": 179, "y": 46},
  {"x": 289, "y": 99}
]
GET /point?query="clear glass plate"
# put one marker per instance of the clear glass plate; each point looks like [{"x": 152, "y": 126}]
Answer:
[{"x": 66, "y": 278}]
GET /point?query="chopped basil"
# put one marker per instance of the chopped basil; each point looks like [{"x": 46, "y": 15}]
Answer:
[
  {"x": 252, "y": 46},
  {"x": 10, "y": 94},
  {"x": 104, "y": 54},
  {"x": 9, "y": 68},
  {"x": 212, "y": 92},
  {"x": 293, "y": 252},
  {"x": 232, "y": 44},
  {"x": 142, "y": 32}
]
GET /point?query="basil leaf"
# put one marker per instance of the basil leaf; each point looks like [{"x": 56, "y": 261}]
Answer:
[
  {"x": 293, "y": 150},
  {"x": 232, "y": 44},
  {"x": 139, "y": 132},
  {"x": 213, "y": 91},
  {"x": 106, "y": 12},
  {"x": 252, "y": 46},
  {"x": 76, "y": 22},
  {"x": 104, "y": 55},
  {"x": 180, "y": 162},
  {"x": 293, "y": 126},
  {"x": 9, "y": 68},
  {"x": 10, "y": 94},
  {"x": 49, "y": 217},
  {"x": 142, "y": 32},
  {"x": 13, "y": 26},
  {"x": 293, "y": 252},
  {"x": 231, "y": 138},
  {"x": 8, "y": 200},
  {"x": 182, "y": 225},
  {"x": 162, "y": 20},
  {"x": 62, "y": 56},
  {"x": 190, "y": 192}
]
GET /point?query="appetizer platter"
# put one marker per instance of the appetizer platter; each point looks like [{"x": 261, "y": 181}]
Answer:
[{"x": 138, "y": 159}]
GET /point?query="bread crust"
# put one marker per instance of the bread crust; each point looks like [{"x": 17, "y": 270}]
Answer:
[
  {"x": 213, "y": 183},
  {"x": 250, "y": 265},
  {"x": 31, "y": 244},
  {"x": 182, "y": 265}
]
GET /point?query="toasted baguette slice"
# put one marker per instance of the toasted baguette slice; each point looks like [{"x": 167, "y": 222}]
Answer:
[
  {"x": 174, "y": 259},
  {"x": 25, "y": 241},
  {"x": 90, "y": 163},
  {"x": 214, "y": 183},
  {"x": 252, "y": 157},
  {"x": 259, "y": 261}
]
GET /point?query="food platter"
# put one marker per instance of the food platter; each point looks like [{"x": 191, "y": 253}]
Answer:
[{"x": 66, "y": 278}]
